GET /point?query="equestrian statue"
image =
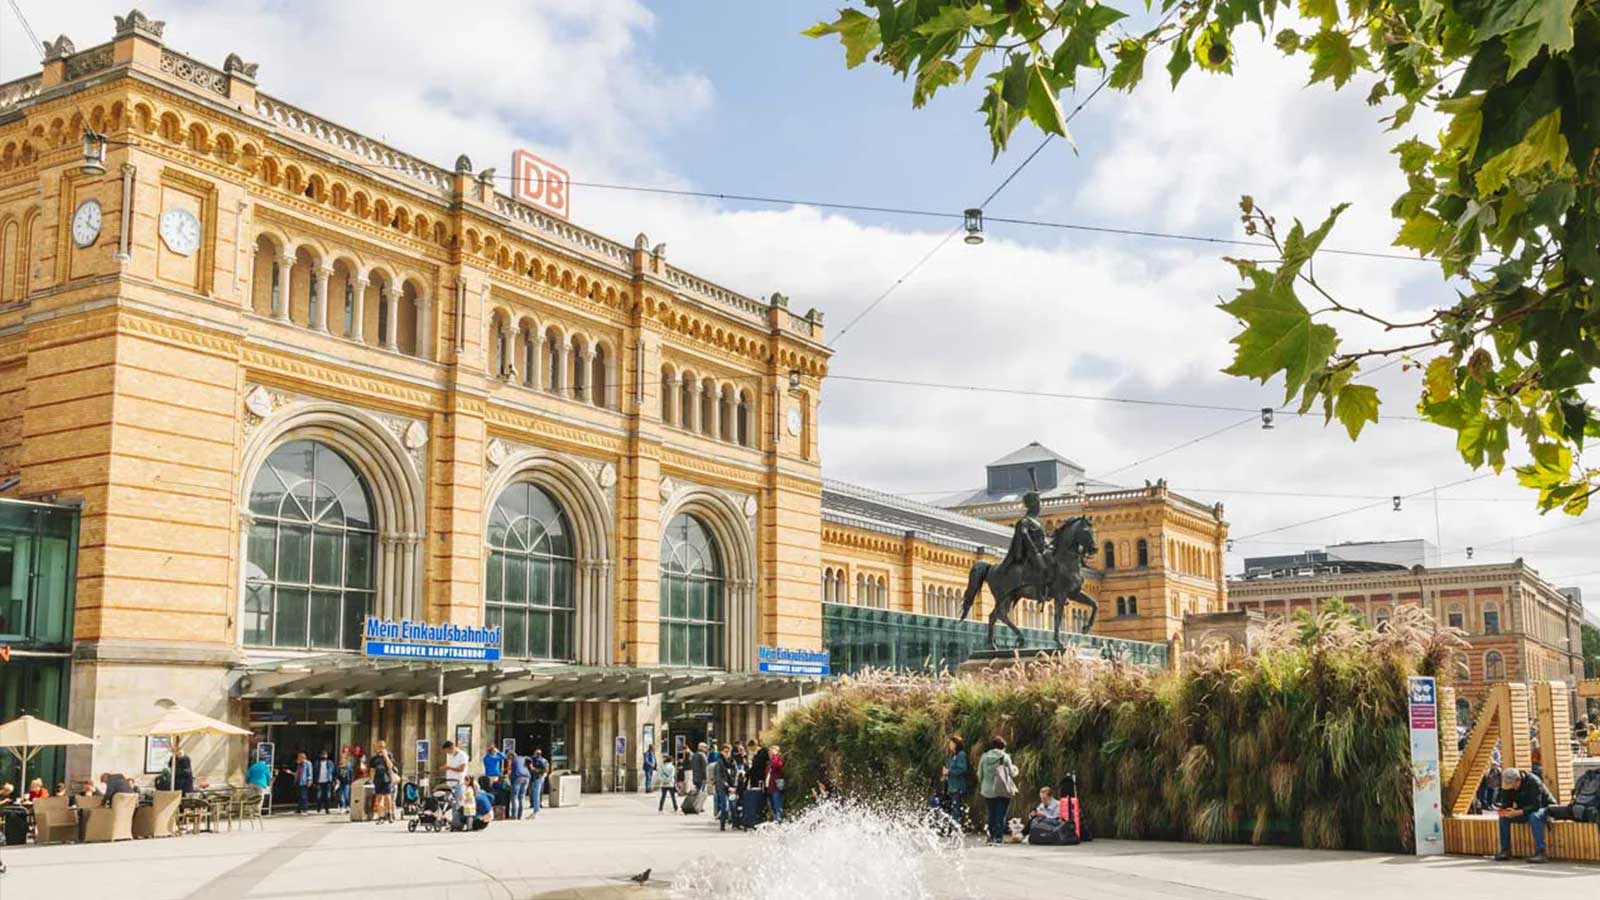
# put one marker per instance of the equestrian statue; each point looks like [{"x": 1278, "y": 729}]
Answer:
[{"x": 1036, "y": 567}]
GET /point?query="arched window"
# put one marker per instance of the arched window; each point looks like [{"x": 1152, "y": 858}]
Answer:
[
  {"x": 827, "y": 585},
  {"x": 1122, "y": 606},
  {"x": 553, "y": 359},
  {"x": 1109, "y": 552},
  {"x": 309, "y": 576},
  {"x": 1494, "y": 667},
  {"x": 883, "y": 592},
  {"x": 692, "y": 607},
  {"x": 861, "y": 590},
  {"x": 1133, "y": 606},
  {"x": 600, "y": 385},
  {"x": 688, "y": 401},
  {"x": 1143, "y": 550},
  {"x": 1380, "y": 618},
  {"x": 742, "y": 419},
  {"x": 528, "y": 590},
  {"x": 708, "y": 407},
  {"x": 1463, "y": 712},
  {"x": 580, "y": 372},
  {"x": 1455, "y": 618},
  {"x": 1463, "y": 671},
  {"x": 840, "y": 585},
  {"x": 530, "y": 354}
]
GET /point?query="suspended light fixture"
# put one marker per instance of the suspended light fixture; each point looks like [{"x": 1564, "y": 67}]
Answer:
[
  {"x": 974, "y": 226},
  {"x": 794, "y": 380},
  {"x": 1230, "y": 545},
  {"x": 1469, "y": 553},
  {"x": 1266, "y": 418},
  {"x": 1082, "y": 488},
  {"x": 94, "y": 154},
  {"x": 1396, "y": 499}
]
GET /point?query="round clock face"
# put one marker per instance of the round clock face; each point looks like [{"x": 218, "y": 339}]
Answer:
[
  {"x": 181, "y": 231},
  {"x": 86, "y": 223},
  {"x": 794, "y": 420}
]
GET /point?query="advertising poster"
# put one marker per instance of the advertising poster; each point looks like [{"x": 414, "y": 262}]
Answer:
[{"x": 1426, "y": 807}]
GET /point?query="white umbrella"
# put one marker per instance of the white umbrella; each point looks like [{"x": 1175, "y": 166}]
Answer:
[
  {"x": 178, "y": 721},
  {"x": 33, "y": 735}
]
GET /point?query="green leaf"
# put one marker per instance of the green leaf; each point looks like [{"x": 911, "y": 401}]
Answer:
[
  {"x": 1129, "y": 69},
  {"x": 1414, "y": 155},
  {"x": 1325, "y": 10},
  {"x": 936, "y": 74},
  {"x": 1548, "y": 23},
  {"x": 1181, "y": 59},
  {"x": 1279, "y": 335},
  {"x": 1482, "y": 438},
  {"x": 1014, "y": 81},
  {"x": 1356, "y": 405},
  {"x": 1543, "y": 146},
  {"x": 1333, "y": 56},
  {"x": 1299, "y": 246},
  {"x": 959, "y": 20},
  {"x": 1420, "y": 232},
  {"x": 1043, "y": 108},
  {"x": 1511, "y": 110},
  {"x": 857, "y": 32}
]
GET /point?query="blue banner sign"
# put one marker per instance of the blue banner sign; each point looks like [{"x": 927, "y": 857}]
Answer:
[
  {"x": 405, "y": 639},
  {"x": 783, "y": 661}
]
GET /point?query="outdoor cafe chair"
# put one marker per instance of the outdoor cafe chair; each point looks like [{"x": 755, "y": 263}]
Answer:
[
  {"x": 54, "y": 821},
  {"x": 113, "y": 823},
  {"x": 159, "y": 818},
  {"x": 244, "y": 806}
]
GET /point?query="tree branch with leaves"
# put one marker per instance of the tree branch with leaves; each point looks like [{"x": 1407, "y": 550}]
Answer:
[{"x": 1506, "y": 198}]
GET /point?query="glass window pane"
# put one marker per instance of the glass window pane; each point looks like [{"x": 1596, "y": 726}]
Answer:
[
  {"x": 494, "y": 580},
  {"x": 326, "y": 566},
  {"x": 697, "y": 600},
  {"x": 680, "y": 604},
  {"x": 263, "y": 550},
  {"x": 294, "y": 554},
  {"x": 357, "y": 606},
  {"x": 561, "y": 635},
  {"x": 516, "y": 580},
  {"x": 561, "y": 584},
  {"x": 258, "y": 615},
  {"x": 326, "y": 620},
  {"x": 539, "y": 634},
  {"x": 494, "y": 616},
  {"x": 516, "y": 634},
  {"x": 714, "y": 601},
  {"x": 680, "y": 644},
  {"x": 697, "y": 645},
  {"x": 289, "y": 625},
  {"x": 665, "y": 644},
  {"x": 358, "y": 561},
  {"x": 539, "y": 581}
]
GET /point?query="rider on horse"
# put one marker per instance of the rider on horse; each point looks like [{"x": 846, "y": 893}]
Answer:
[{"x": 1030, "y": 549}]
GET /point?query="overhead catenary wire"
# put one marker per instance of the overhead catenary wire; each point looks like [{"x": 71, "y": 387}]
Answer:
[
  {"x": 28, "y": 29},
  {"x": 1365, "y": 506}
]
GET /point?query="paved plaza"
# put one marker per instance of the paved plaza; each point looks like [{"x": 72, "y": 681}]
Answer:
[{"x": 589, "y": 851}]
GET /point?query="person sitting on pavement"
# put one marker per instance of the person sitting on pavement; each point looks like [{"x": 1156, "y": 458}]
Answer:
[
  {"x": 1523, "y": 798},
  {"x": 1049, "y": 808}
]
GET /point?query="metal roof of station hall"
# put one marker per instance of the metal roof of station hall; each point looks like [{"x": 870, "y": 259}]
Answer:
[
  {"x": 858, "y": 507},
  {"x": 353, "y": 677}
]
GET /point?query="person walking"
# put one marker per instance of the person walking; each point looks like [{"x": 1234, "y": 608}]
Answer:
[
  {"x": 997, "y": 782},
  {"x": 521, "y": 777},
  {"x": 345, "y": 774},
  {"x": 384, "y": 772},
  {"x": 455, "y": 769},
  {"x": 774, "y": 784},
  {"x": 183, "y": 773},
  {"x": 699, "y": 766},
  {"x": 755, "y": 797},
  {"x": 669, "y": 787},
  {"x": 538, "y": 768},
  {"x": 649, "y": 767},
  {"x": 957, "y": 773},
  {"x": 302, "y": 783},
  {"x": 724, "y": 776},
  {"x": 324, "y": 782}
]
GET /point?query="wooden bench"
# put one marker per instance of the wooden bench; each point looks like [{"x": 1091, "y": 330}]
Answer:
[{"x": 1480, "y": 836}]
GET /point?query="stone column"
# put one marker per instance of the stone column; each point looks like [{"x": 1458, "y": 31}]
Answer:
[
  {"x": 391, "y": 303},
  {"x": 358, "y": 302},
  {"x": 714, "y": 427},
  {"x": 586, "y": 359},
  {"x": 425, "y": 327},
  {"x": 561, "y": 368},
  {"x": 536, "y": 364},
  {"x": 282, "y": 276},
  {"x": 319, "y": 299},
  {"x": 613, "y": 390},
  {"x": 690, "y": 414}
]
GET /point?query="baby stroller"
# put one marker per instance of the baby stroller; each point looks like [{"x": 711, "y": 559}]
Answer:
[
  {"x": 437, "y": 812},
  {"x": 410, "y": 800}
]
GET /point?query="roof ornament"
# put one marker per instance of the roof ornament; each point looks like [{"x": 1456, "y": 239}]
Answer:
[
  {"x": 486, "y": 176},
  {"x": 60, "y": 48},
  {"x": 235, "y": 65},
  {"x": 464, "y": 164},
  {"x": 136, "y": 21}
]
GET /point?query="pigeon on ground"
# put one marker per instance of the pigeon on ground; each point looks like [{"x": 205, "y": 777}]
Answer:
[{"x": 641, "y": 878}]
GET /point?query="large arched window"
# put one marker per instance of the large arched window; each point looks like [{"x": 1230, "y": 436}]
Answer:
[
  {"x": 528, "y": 590},
  {"x": 693, "y": 611},
  {"x": 309, "y": 575},
  {"x": 1143, "y": 550},
  {"x": 1108, "y": 555},
  {"x": 1494, "y": 667}
]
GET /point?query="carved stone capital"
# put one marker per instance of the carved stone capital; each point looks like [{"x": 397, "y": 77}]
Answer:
[{"x": 136, "y": 22}]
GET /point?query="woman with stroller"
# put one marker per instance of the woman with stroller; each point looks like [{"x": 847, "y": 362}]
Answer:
[{"x": 384, "y": 774}]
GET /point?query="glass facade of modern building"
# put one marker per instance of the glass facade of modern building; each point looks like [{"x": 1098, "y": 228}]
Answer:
[
  {"x": 38, "y": 569},
  {"x": 858, "y": 638}
]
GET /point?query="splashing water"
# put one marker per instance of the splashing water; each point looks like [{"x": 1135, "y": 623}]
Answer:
[{"x": 835, "y": 851}]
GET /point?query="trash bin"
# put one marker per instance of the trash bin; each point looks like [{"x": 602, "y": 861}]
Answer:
[{"x": 15, "y": 826}]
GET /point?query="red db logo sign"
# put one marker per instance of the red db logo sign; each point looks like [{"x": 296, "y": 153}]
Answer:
[{"x": 541, "y": 183}]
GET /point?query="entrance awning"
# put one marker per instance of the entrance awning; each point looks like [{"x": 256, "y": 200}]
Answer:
[{"x": 350, "y": 677}]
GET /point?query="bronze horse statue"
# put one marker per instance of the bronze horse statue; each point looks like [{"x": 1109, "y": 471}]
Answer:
[{"x": 1071, "y": 542}]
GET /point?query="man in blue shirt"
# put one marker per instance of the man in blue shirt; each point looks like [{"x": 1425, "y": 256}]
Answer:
[
  {"x": 259, "y": 774},
  {"x": 324, "y": 778},
  {"x": 491, "y": 764},
  {"x": 539, "y": 767},
  {"x": 302, "y": 783},
  {"x": 483, "y": 808}
]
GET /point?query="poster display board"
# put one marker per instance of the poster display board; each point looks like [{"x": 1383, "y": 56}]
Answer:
[{"x": 1426, "y": 807}]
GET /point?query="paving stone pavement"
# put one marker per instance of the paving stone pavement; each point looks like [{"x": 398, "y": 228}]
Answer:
[{"x": 587, "y": 852}]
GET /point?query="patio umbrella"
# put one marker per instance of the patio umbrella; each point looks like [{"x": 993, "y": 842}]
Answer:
[
  {"x": 33, "y": 735},
  {"x": 178, "y": 721}
]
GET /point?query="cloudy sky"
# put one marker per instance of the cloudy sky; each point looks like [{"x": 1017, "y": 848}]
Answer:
[{"x": 725, "y": 96}]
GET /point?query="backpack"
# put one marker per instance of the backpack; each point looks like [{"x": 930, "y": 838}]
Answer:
[
  {"x": 1052, "y": 833},
  {"x": 1586, "y": 797}
]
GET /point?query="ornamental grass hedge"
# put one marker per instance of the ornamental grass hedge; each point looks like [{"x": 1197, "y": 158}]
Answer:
[{"x": 1303, "y": 742}]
